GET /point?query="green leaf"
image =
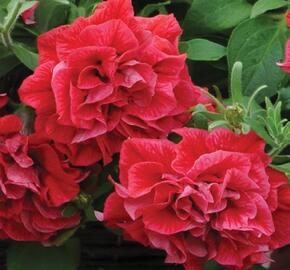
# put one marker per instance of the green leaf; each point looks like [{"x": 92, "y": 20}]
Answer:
[
  {"x": 281, "y": 159},
  {"x": 7, "y": 61},
  {"x": 105, "y": 187},
  {"x": 200, "y": 121},
  {"x": 259, "y": 44},
  {"x": 202, "y": 50},
  {"x": 263, "y": 6},
  {"x": 69, "y": 210},
  {"x": 236, "y": 83},
  {"x": 259, "y": 128},
  {"x": 88, "y": 5},
  {"x": 27, "y": 57},
  {"x": 64, "y": 236},
  {"x": 76, "y": 12},
  {"x": 151, "y": 8},
  {"x": 33, "y": 256},
  {"x": 4, "y": 3},
  {"x": 218, "y": 123},
  {"x": 211, "y": 265},
  {"x": 205, "y": 17},
  {"x": 50, "y": 14},
  {"x": 285, "y": 97}
]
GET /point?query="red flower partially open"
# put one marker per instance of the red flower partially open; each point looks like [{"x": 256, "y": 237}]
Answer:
[
  {"x": 109, "y": 77},
  {"x": 28, "y": 15},
  {"x": 36, "y": 183},
  {"x": 211, "y": 196}
]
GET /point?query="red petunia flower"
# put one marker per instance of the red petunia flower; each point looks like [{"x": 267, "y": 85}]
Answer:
[
  {"x": 286, "y": 64},
  {"x": 212, "y": 196},
  {"x": 36, "y": 183},
  {"x": 28, "y": 15},
  {"x": 109, "y": 77}
]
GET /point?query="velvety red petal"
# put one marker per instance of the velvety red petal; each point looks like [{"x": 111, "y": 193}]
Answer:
[
  {"x": 113, "y": 33},
  {"x": 143, "y": 176},
  {"x": 189, "y": 148},
  {"x": 3, "y": 100},
  {"x": 82, "y": 154},
  {"x": 224, "y": 139},
  {"x": 113, "y": 9},
  {"x": 52, "y": 129},
  {"x": 217, "y": 163},
  {"x": 164, "y": 221},
  {"x": 24, "y": 177},
  {"x": 141, "y": 150},
  {"x": 61, "y": 89},
  {"x": 61, "y": 185},
  {"x": 36, "y": 91},
  {"x": 162, "y": 103},
  {"x": 165, "y": 26},
  {"x": 281, "y": 236},
  {"x": 28, "y": 15},
  {"x": 114, "y": 211},
  {"x": 10, "y": 124},
  {"x": 236, "y": 216},
  {"x": 46, "y": 225},
  {"x": 46, "y": 44}
]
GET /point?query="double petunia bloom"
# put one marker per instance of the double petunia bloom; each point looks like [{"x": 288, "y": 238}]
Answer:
[
  {"x": 109, "y": 77},
  {"x": 36, "y": 183},
  {"x": 210, "y": 196}
]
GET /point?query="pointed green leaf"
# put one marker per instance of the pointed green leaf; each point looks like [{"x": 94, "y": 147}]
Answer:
[
  {"x": 151, "y": 8},
  {"x": 263, "y": 6},
  {"x": 7, "y": 61},
  {"x": 259, "y": 128},
  {"x": 236, "y": 83},
  {"x": 50, "y": 14},
  {"x": 219, "y": 123},
  {"x": 259, "y": 44},
  {"x": 202, "y": 50},
  {"x": 205, "y": 17},
  {"x": 27, "y": 57}
]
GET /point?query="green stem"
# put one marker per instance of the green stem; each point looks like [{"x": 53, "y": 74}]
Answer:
[
  {"x": 252, "y": 98},
  {"x": 3, "y": 40},
  {"x": 9, "y": 24},
  {"x": 277, "y": 150},
  {"x": 12, "y": 17}
]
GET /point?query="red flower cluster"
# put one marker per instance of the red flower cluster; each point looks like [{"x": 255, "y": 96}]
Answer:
[
  {"x": 109, "y": 77},
  {"x": 211, "y": 196},
  {"x": 36, "y": 182},
  {"x": 286, "y": 65}
]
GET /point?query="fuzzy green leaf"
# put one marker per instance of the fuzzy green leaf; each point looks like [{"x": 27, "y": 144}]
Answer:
[
  {"x": 26, "y": 56},
  {"x": 50, "y": 14},
  {"x": 202, "y": 50},
  {"x": 151, "y": 8},
  {"x": 205, "y": 17},
  {"x": 7, "y": 61},
  {"x": 236, "y": 83},
  {"x": 263, "y": 6},
  {"x": 259, "y": 44}
]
